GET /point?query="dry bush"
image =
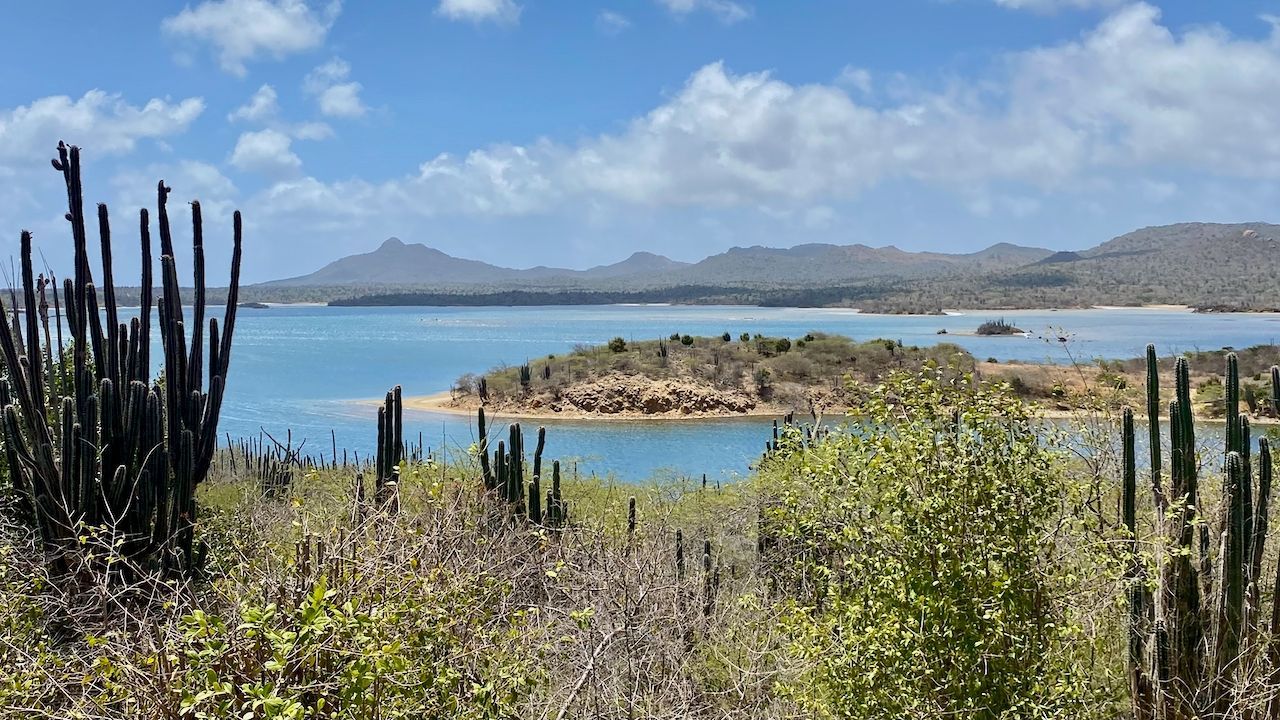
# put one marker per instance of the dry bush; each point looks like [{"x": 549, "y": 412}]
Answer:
[{"x": 314, "y": 605}]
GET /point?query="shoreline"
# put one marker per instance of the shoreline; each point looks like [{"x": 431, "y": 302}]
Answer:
[
  {"x": 944, "y": 312},
  {"x": 442, "y": 402}
]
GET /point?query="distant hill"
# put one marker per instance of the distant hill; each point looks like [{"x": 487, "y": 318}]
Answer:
[
  {"x": 1207, "y": 265},
  {"x": 396, "y": 264}
]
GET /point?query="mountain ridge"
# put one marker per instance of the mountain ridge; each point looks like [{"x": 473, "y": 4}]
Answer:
[
  {"x": 396, "y": 263},
  {"x": 1223, "y": 266}
]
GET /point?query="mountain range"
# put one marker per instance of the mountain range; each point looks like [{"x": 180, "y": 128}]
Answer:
[
  {"x": 395, "y": 263},
  {"x": 1207, "y": 265}
]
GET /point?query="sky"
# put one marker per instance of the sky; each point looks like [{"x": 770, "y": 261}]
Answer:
[{"x": 546, "y": 132}]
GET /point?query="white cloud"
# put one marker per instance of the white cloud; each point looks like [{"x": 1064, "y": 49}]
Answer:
[
  {"x": 855, "y": 78},
  {"x": 261, "y": 107},
  {"x": 1049, "y": 6},
  {"x": 190, "y": 180},
  {"x": 312, "y": 131},
  {"x": 243, "y": 30},
  {"x": 266, "y": 152},
  {"x": 336, "y": 95},
  {"x": 1128, "y": 119},
  {"x": 500, "y": 11},
  {"x": 611, "y": 23},
  {"x": 726, "y": 11},
  {"x": 104, "y": 123}
]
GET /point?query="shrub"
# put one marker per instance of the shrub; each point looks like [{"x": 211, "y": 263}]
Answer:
[
  {"x": 744, "y": 337},
  {"x": 997, "y": 327},
  {"x": 617, "y": 345},
  {"x": 925, "y": 560},
  {"x": 686, "y": 340},
  {"x": 726, "y": 337}
]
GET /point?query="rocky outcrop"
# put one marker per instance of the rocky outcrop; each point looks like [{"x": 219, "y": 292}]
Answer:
[{"x": 618, "y": 394}]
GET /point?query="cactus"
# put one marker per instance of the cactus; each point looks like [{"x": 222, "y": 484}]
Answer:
[
  {"x": 482, "y": 388},
  {"x": 679, "y": 555},
  {"x": 526, "y": 376},
  {"x": 535, "y": 482},
  {"x": 557, "y": 502},
  {"x": 631, "y": 516},
  {"x": 1153, "y": 423},
  {"x": 546, "y": 371},
  {"x": 708, "y": 599},
  {"x": 390, "y": 445},
  {"x": 1136, "y": 591},
  {"x": 505, "y": 476},
  {"x": 1195, "y": 646},
  {"x": 106, "y": 447},
  {"x": 482, "y": 431}
]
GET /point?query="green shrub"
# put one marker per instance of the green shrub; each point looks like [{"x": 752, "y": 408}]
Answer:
[
  {"x": 617, "y": 345},
  {"x": 686, "y": 340},
  {"x": 726, "y": 337},
  {"x": 744, "y": 337},
  {"x": 926, "y": 574}
]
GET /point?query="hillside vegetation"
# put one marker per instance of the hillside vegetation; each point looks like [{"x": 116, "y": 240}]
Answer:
[{"x": 685, "y": 375}]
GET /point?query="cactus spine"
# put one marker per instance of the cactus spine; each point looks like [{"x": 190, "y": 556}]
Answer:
[{"x": 114, "y": 450}]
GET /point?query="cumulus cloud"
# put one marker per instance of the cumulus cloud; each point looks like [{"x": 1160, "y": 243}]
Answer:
[
  {"x": 261, "y": 106},
  {"x": 1128, "y": 94},
  {"x": 102, "y": 121},
  {"x": 267, "y": 152},
  {"x": 726, "y": 11},
  {"x": 243, "y": 30},
  {"x": 336, "y": 94},
  {"x": 1129, "y": 108},
  {"x": 500, "y": 11}
]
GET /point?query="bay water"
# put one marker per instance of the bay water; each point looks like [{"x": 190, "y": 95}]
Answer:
[{"x": 317, "y": 370}]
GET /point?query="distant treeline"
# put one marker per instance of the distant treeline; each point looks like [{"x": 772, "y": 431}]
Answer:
[{"x": 692, "y": 295}]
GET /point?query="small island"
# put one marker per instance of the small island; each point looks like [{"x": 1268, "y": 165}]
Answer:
[
  {"x": 683, "y": 376},
  {"x": 998, "y": 327}
]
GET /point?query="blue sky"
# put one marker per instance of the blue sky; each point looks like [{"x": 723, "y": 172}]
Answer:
[{"x": 527, "y": 132}]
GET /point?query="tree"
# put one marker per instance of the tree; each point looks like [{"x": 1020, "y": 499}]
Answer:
[{"x": 618, "y": 345}]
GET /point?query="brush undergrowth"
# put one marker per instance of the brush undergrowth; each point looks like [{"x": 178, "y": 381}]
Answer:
[{"x": 894, "y": 570}]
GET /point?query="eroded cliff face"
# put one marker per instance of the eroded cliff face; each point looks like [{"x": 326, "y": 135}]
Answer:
[{"x": 616, "y": 393}]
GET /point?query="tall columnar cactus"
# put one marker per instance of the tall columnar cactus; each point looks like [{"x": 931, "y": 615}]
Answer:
[
  {"x": 535, "y": 481},
  {"x": 482, "y": 431},
  {"x": 1202, "y": 631},
  {"x": 1138, "y": 681},
  {"x": 107, "y": 447},
  {"x": 526, "y": 376},
  {"x": 1153, "y": 422},
  {"x": 390, "y": 444},
  {"x": 505, "y": 476}
]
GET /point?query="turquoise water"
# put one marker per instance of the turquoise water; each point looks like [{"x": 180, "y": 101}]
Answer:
[{"x": 306, "y": 368}]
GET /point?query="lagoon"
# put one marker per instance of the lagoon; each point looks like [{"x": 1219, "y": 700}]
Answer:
[{"x": 308, "y": 368}]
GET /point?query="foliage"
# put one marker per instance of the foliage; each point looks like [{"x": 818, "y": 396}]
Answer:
[
  {"x": 617, "y": 345},
  {"x": 918, "y": 555},
  {"x": 997, "y": 327}
]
